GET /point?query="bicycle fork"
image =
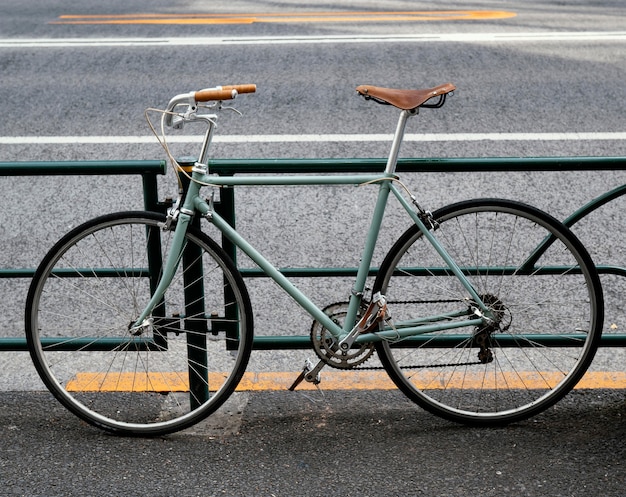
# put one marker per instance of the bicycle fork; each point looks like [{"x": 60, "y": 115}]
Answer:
[{"x": 182, "y": 218}]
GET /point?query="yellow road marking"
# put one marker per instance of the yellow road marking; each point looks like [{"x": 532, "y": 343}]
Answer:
[
  {"x": 331, "y": 380},
  {"x": 310, "y": 17},
  {"x": 128, "y": 382}
]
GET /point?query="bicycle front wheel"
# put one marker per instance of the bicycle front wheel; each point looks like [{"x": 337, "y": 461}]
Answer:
[
  {"x": 541, "y": 288},
  {"x": 90, "y": 289}
]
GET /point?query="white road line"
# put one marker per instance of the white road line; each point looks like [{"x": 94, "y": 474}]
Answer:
[
  {"x": 285, "y": 40},
  {"x": 325, "y": 138}
]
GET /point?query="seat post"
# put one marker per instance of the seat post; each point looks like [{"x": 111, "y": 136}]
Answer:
[{"x": 397, "y": 140}]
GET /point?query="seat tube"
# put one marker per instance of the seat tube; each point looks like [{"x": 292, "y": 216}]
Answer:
[
  {"x": 367, "y": 255},
  {"x": 397, "y": 141}
]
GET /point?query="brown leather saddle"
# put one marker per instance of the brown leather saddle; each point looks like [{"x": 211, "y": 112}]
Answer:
[{"x": 406, "y": 99}]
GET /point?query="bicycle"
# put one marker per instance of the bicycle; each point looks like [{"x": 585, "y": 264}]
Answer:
[{"x": 483, "y": 312}]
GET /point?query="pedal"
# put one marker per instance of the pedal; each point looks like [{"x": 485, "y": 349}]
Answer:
[{"x": 309, "y": 373}]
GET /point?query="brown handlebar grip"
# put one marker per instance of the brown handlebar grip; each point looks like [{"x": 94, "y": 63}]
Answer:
[
  {"x": 208, "y": 95},
  {"x": 241, "y": 88}
]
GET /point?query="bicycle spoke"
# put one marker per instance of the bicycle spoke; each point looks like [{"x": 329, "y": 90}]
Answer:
[
  {"x": 511, "y": 368},
  {"x": 169, "y": 374}
]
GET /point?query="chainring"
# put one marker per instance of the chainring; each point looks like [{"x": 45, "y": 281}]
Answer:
[{"x": 326, "y": 346}]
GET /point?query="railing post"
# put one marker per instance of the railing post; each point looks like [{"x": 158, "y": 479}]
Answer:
[{"x": 196, "y": 330}]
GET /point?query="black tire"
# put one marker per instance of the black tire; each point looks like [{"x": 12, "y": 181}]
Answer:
[
  {"x": 549, "y": 320},
  {"x": 86, "y": 293}
]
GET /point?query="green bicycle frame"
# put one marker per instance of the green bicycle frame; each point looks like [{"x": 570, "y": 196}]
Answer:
[{"x": 193, "y": 203}]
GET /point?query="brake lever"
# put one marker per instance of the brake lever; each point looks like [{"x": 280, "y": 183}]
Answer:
[
  {"x": 177, "y": 121},
  {"x": 233, "y": 109}
]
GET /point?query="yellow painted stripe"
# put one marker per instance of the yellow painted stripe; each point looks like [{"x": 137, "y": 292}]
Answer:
[
  {"x": 331, "y": 380},
  {"x": 128, "y": 382},
  {"x": 312, "y": 17}
]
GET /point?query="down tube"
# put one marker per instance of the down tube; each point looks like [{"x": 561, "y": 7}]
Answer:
[{"x": 272, "y": 272}]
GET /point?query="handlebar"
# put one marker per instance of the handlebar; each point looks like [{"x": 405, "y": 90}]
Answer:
[
  {"x": 251, "y": 88},
  {"x": 218, "y": 93},
  {"x": 222, "y": 92}
]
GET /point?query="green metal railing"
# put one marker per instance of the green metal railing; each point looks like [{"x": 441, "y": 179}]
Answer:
[
  {"x": 290, "y": 166},
  {"x": 147, "y": 170}
]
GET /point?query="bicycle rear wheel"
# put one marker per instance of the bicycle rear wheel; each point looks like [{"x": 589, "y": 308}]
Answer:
[
  {"x": 539, "y": 283},
  {"x": 91, "y": 287}
]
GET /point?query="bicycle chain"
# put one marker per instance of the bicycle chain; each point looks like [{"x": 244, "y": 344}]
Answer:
[
  {"x": 424, "y": 366},
  {"x": 441, "y": 301}
]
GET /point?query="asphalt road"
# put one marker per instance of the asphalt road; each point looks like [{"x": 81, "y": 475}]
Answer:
[
  {"x": 543, "y": 71},
  {"x": 347, "y": 444},
  {"x": 96, "y": 86},
  {"x": 78, "y": 91}
]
